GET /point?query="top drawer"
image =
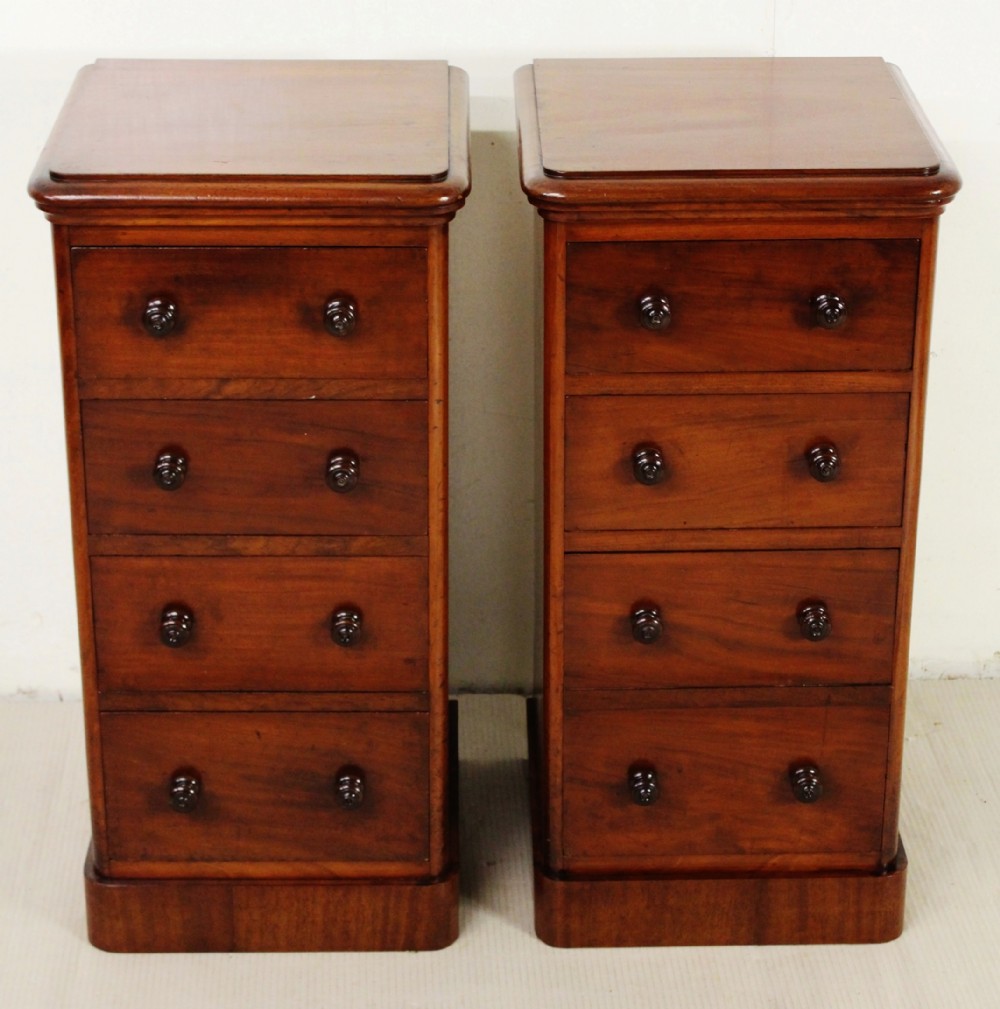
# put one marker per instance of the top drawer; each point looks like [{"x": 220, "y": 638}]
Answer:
[
  {"x": 740, "y": 306},
  {"x": 251, "y": 312}
]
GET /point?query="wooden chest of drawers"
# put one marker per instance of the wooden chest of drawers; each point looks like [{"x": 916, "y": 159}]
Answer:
[
  {"x": 738, "y": 268},
  {"x": 251, "y": 261}
]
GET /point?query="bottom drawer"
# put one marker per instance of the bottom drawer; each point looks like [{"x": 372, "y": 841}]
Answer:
[
  {"x": 266, "y": 787},
  {"x": 720, "y": 781}
]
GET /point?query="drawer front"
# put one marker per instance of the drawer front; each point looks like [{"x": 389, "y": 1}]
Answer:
[
  {"x": 729, "y": 619},
  {"x": 723, "y": 781},
  {"x": 252, "y": 467},
  {"x": 734, "y": 461},
  {"x": 740, "y": 306},
  {"x": 267, "y": 786},
  {"x": 261, "y": 623},
  {"x": 251, "y": 312}
]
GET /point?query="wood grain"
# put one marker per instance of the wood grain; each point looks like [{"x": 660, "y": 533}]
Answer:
[
  {"x": 729, "y": 618},
  {"x": 258, "y": 916},
  {"x": 251, "y": 313},
  {"x": 723, "y": 776},
  {"x": 261, "y": 623},
  {"x": 734, "y": 461},
  {"x": 268, "y": 786},
  {"x": 761, "y": 116},
  {"x": 739, "y": 306},
  {"x": 256, "y": 467}
]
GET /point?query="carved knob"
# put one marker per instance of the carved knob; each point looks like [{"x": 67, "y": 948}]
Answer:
[
  {"x": 814, "y": 620},
  {"x": 807, "y": 786},
  {"x": 170, "y": 469},
  {"x": 350, "y": 787},
  {"x": 654, "y": 312},
  {"x": 643, "y": 784},
  {"x": 648, "y": 465},
  {"x": 829, "y": 310},
  {"x": 340, "y": 315},
  {"x": 647, "y": 624},
  {"x": 345, "y": 626},
  {"x": 176, "y": 625},
  {"x": 159, "y": 317},
  {"x": 343, "y": 469},
  {"x": 184, "y": 790},
  {"x": 824, "y": 462}
]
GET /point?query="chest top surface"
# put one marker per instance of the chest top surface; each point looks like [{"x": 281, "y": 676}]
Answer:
[
  {"x": 209, "y": 132},
  {"x": 597, "y": 131}
]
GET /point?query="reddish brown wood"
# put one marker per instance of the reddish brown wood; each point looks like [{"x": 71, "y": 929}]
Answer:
[
  {"x": 729, "y": 166},
  {"x": 724, "y": 789},
  {"x": 699, "y": 910},
  {"x": 729, "y": 618},
  {"x": 739, "y": 306},
  {"x": 256, "y": 468},
  {"x": 245, "y": 260},
  {"x": 233, "y": 915},
  {"x": 750, "y": 116},
  {"x": 781, "y": 251},
  {"x": 267, "y": 787},
  {"x": 245, "y": 313},
  {"x": 275, "y": 152},
  {"x": 261, "y": 623},
  {"x": 734, "y": 461}
]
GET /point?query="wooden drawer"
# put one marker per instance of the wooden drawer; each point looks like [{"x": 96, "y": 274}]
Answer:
[
  {"x": 254, "y": 467},
  {"x": 260, "y": 623},
  {"x": 250, "y": 312},
  {"x": 267, "y": 786},
  {"x": 734, "y": 461},
  {"x": 791, "y": 617},
  {"x": 723, "y": 781},
  {"x": 740, "y": 306}
]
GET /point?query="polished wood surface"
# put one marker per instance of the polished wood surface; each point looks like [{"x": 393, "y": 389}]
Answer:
[
  {"x": 261, "y": 623},
  {"x": 256, "y": 468},
  {"x": 734, "y": 461},
  {"x": 724, "y": 796},
  {"x": 739, "y": 306},
  {"x": 620, "y": 148},
  {"x": 271, "y": 325},
  {"x": 226, "y": 118},
  {"x": 765, "y": 116},
  {"x": 738, "y": 274},
  {"x": 729, "y": 618},
  {"x": 268, "y": 786},
  {"x": 376, "y": 169},
  {"x": 251, "y": 313}
]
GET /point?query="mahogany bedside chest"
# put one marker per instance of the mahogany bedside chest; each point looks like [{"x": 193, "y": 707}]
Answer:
[
  {"x": 738, "y": 257},
  {"x": 251, "y": 260}
]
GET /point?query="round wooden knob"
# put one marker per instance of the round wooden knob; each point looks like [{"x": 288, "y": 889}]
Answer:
[
  {"x": 807, "y": 785},
  {"x": 648, "y": 465},
  {"x": 824, "y": 462},
  {"x": 184, "y": 790},
  {"x": 829, "y": 310},
  {"x": 647, "y": 623},
  {"x": 176, "y": 625},
  {"x": 814, "y": 620},
  {"x": 343, "y": 469},
  {"x": 654, "y": 312},
  {"x": 170, "y": 469},
  {"x": 349, "y": 786},
  {"x": 159, "y": 317},
  {"x": 643, "y": 785},
  {"x": 340, "y": 315},
  {"x": 346, "y": 626}
]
